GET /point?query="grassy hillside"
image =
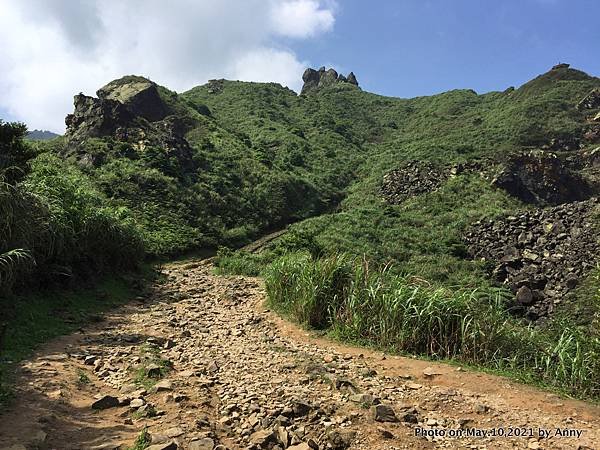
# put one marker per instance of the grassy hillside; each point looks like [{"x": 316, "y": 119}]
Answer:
[{"x": 145, "y": 171}]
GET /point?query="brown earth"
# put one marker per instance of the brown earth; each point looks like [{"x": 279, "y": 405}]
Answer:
[{"x": 242, "y": 377}]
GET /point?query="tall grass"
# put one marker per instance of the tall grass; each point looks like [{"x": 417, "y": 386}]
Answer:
[
  {"x": 55, "y": 224},
  {"x": 370, "y": 305}
]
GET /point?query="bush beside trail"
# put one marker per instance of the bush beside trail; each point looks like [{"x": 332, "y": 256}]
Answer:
[{"x": 54, "y": 224}]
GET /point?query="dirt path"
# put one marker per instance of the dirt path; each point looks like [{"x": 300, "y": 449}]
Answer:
[{"x": 243, "y": 378}]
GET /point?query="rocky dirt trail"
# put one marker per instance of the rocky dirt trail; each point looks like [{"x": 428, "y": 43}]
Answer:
[{"x": 202, "y": 365}]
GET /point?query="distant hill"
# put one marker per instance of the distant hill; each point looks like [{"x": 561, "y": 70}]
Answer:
[{"x": 41, "y": 135}]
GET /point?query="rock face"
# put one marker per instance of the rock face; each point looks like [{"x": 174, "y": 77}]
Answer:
[
  {"x": 94, "y": 117},
  {"x": 540, "y": 255},
  {"x": 131, "y": 111},
  {"x": 139, "y": 96},
  {"x": 118, "y": 103},
  {"x": 590, "y": 101},
  {"x": 316, "y": 79},
  {"x": 541, "y": 178}
]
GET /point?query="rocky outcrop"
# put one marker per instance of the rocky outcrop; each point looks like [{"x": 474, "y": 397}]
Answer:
[
  {"x": 414, "y": 178},
  {"x": 542, "y": 179},
  {"x": 138, "y": 95},
  {"x": 540, "y": 255},
  {"x": 130, "y": 111},
  {"x": 118, "y": 104},
  {"x": 590, "y": 101},
  {"x": 418, "y": 177},
  {"x": 316, "y": 79},
  {"x": 94, "y": 117}
]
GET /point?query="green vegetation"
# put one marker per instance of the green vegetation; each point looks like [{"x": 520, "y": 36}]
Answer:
[
  {"x": 82, "y": 377},
  {"x": 242, "y": 159},
  {"x": 142, "y": 441},
  {"x": 368, "y": 305},
  {"x": 54, "y": 223},
  {"x": 152, "y": 367}
]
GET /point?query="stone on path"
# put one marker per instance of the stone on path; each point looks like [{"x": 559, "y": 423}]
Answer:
[
  {"x": 202, "y": 444},
  {"x": 384, "y": 413},
  {"x": 262, "y": 437},
  {"x": 105, "y": 402},
  {"x": 164, "y": 385},
  {"x": 302, "y": 446},
  {"x": 167, "y": 446}
]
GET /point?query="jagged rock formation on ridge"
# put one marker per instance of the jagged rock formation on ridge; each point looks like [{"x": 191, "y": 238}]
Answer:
[{"x": 315, "y": 79}]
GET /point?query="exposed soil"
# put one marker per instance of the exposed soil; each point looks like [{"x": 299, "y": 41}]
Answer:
[{"x": 244, "y": 378}]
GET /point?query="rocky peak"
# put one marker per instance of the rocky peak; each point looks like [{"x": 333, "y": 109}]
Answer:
[
  {"x": 117, "y": 104},
  {"x": 316, "y": 79},
  {"x": 131, "y": 111},
  {"x": 139, "y": 95}
]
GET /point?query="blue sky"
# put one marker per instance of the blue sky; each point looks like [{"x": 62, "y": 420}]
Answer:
[
  {"x": 54, "y": 49},
  {"x": 408, "y": 48}
]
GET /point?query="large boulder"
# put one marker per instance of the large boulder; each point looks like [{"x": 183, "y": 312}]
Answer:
[
  {"x": 94, "y": 117},
  {"x": 139, "y": 95}
]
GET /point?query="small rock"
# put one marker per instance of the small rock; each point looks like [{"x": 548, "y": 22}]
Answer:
[
  {"x": 300, "y": 409},
  {"x": 167, "y": 446},
  {"x": 302, "y": 446},
  {"x": 153, "y": 371},
  {"x": 212, "y": 367},
  {"x": 202, "y": 444},
  {"x": 162, "y": 386},
  {"x": 385, "y": 433},
  {"x": 431, "y": 372},
  {"x": 363, "y": 399},
  {"x": 341, "y": 440},
  {"x": 174, "y": 432},
  {"x": 136, "y": 403},
  {"x": 384, "y": 413},
  {"x": 524, "y": 295},
  {"x": 262, "y": 438},
  {"x": 105, "y": 402}
]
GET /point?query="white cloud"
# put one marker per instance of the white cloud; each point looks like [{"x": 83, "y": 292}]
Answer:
[
  {"x": 53, "y": 49},
  {"x": 301, "y": 18},
  {"x": 267, "y": 64}
]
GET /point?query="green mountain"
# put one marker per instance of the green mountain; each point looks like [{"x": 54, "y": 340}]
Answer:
[
  {"x": 226, "y": 162},
  {"x": 440, "y": 225},
  {"x": 41, "y": 135}
]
